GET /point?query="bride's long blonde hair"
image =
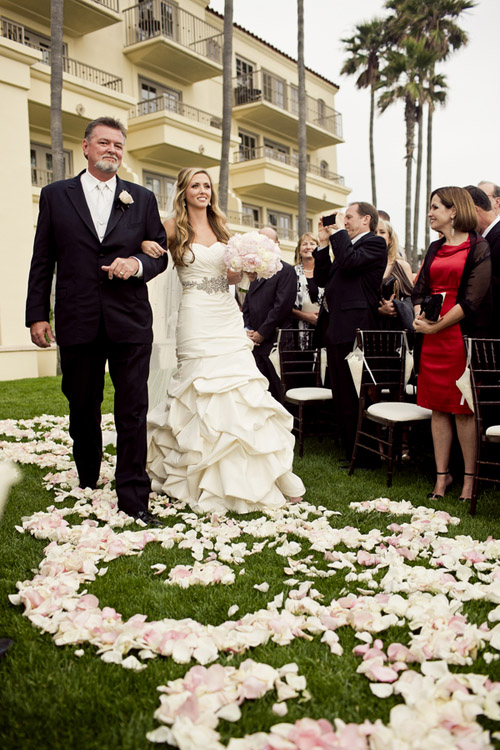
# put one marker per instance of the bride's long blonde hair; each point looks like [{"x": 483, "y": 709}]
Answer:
[{"x": 184, "y": 233}]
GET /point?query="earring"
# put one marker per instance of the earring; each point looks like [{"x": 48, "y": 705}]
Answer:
[
  {"x": 453, "y": 227},
  {"x": 209, "y": 204},
  {"x": 185, "y": 204}
]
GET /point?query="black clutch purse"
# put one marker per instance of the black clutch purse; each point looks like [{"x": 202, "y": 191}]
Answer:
[
  {"x": 389, "y": 287},
  {"x": 432, "y": 305}
]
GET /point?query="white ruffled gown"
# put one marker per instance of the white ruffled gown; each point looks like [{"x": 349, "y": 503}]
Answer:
[{"x": 220, "y": 441}]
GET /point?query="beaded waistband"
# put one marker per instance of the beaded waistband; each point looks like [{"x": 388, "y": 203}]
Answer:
[{"x": 209, "y": 284}]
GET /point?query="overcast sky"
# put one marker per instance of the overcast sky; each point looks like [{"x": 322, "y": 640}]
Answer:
[{"x": 465, "y": 130}]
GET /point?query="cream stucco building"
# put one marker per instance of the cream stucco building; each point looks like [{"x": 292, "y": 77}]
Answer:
[{"x": 157, "y": 66}]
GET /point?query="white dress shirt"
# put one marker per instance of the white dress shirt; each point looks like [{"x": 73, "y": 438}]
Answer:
[
  {"x": 100, "y": 208},
  {"x": 100, "y": 197}
]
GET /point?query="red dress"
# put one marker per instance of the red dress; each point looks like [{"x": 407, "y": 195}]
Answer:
[{"x": 442, "y": 360}]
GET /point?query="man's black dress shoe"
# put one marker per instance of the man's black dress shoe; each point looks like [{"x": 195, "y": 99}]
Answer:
[{"x": 146, "y": 517}]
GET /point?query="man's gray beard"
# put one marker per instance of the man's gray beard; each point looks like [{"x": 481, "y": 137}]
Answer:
[{"x": 104, "y": 165}]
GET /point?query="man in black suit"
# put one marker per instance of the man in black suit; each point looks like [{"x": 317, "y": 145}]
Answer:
[
  {"x": 268, "y": 306},
  {"x": 352, "y": 292},
  {"x": 488, "y": 225},
  {"x": 91, "y": 227}
]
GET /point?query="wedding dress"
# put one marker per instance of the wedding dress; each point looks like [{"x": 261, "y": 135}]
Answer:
[{"x": 219, "y": 441}]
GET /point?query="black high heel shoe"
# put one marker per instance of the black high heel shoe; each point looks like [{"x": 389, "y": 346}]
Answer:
[
  {"x": 434, "y": 495},
  {"x": 466, "y": 499}
]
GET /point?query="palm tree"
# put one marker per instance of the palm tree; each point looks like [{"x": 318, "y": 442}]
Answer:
[
  {"x": 366, "y": 49},
  {"x": 302, "y": 135},
  {"x": 227, "y": 103},
  {"x": 434, "y": 23},
  {"x": 403, "y": 80},
  {"x": 56, "y": 81}
]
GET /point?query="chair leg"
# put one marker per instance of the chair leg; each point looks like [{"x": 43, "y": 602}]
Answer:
[
  {"x": 475, "y": 488},
  {"x": 390, "y": 454},
  {"x": 301, "y": 430}
]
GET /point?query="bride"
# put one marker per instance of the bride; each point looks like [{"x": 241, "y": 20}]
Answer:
[{"x": 219, "y": 441}]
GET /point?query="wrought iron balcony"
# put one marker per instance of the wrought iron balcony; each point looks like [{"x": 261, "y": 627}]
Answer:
[
  {"x": 15, "y": 32},
  {"x": 166, "y": 103},
  {"x": 164, "y": 21},
  {"x": 244, "y": 220},
  {"x": 261, "y": 87},
  {"x": 266, "y": 152},
  {"x": 80, "y": 16},
  {"x": 43, "y": 177}
]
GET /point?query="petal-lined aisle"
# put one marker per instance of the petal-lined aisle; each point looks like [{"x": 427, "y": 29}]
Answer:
[{"x": 406, "y": 587}]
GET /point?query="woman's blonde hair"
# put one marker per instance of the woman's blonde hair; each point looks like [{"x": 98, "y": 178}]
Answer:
[
  {"x": 184, "y": 233},
  {"x": 297, "y": 258},
  {"x": 393, "y": 242}
]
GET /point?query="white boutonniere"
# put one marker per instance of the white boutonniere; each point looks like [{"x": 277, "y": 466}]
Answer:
[{"x": 125, "y": 198}]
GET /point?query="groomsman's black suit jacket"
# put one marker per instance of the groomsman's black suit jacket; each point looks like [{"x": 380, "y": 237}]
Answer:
[
  {"x": 352, "y": 283},
  {"x": 66, "y": 237},
  {"x": 493, "y": 239},
  {"x": 268, "y": 305}
]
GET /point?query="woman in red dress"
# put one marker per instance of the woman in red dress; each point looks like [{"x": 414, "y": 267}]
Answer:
[{"x": 459, "y": 265}]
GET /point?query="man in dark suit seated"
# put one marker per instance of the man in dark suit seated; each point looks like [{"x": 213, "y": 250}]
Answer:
[
  {"x": 91, "y": 227},
  {"x": 488, "y": 225},
  {"x": 352, "y": 292},
  {"x": 268, "y": 306}
]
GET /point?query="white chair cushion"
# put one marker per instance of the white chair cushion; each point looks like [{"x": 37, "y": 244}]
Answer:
[
  {"x": 399, "y": 411},
  {"x": 493, "y": 431},
  {"x": 308, "y": 394}
]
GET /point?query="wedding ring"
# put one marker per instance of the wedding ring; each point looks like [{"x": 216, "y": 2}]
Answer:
[{"x": 121, "y": 273}]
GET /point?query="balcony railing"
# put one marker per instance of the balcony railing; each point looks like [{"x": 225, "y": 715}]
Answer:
[
  {"x": 168, "y": 104},
  {"x": 15, "y": 32},
  {"x": 261, "y": 86},
  {"x": 266, "y": 152},
  {"x": 159, "y": 18},
  {"x": 43, "y": 177},
  {"x": 111, "y": 4},
  {"x": 245, "y": 220}
]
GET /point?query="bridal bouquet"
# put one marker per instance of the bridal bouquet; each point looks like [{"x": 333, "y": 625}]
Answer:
[{"x": 253, "y": 253}]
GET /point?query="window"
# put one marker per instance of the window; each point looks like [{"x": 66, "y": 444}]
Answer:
[
  {"x": 248, "y": 146},
  {"x": 157, "y": 17},
  {"x": 155, "y": 97},
  {"x": 163, "y": 187},
  {"x": 250, "y": 215},
  {"x": 323, "y": 168},
  {"x": 294, "y": 99},
  {"x": 244, "y": 73},
  {"x": 42, "y": 43},
  {"x": 41, "y": 164},
  {"x": 276, "y": 151},
  {"x": 283, "y": 223},
  {"x": 274, "y": 90}
]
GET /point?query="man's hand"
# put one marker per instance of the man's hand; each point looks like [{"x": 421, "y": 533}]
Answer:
[
  {"x": 42, "y": 334},
  {"x": 256, "y": 337},
  {"x": 122, "y": 268}
]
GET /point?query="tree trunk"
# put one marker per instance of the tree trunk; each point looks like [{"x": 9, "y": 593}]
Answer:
[
  {"x": 429, "y": 170},
  {"x": 418, "y": 182},
  {"x": 410, "y": 139},
  {"x": 302, "y": 134},
  {"x": 227, "y": 103},
  {"x": 56, "y": 83},
  {"x": 56, "y": 73},
  {"x": 372, "y": 151}
]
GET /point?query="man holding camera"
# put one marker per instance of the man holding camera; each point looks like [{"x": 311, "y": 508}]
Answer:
[{"x": 352, "y": 292}]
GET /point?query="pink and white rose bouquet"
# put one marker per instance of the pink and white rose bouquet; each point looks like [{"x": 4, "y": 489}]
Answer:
[{"x": 253, "y": 253}]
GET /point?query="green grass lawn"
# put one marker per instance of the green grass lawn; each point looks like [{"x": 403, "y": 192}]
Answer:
[{"x": 52, "y": 699}]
